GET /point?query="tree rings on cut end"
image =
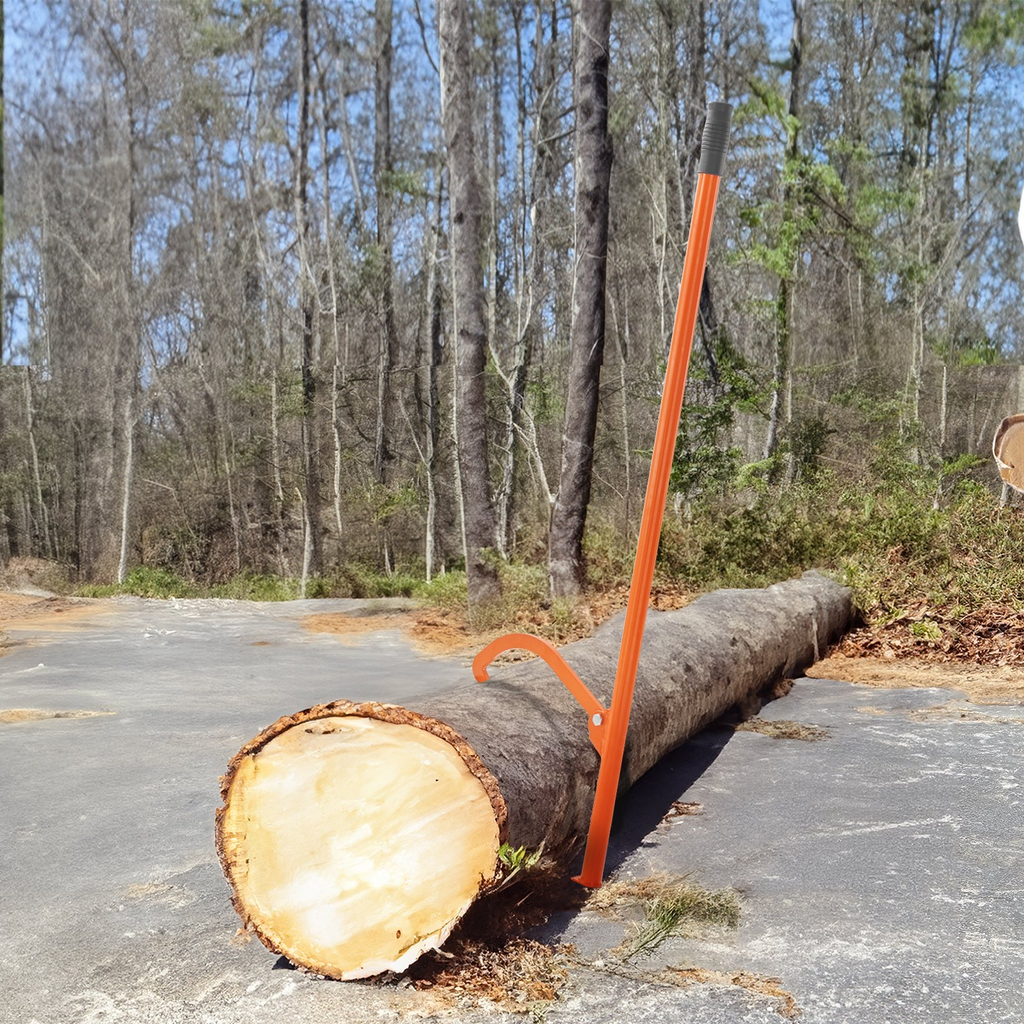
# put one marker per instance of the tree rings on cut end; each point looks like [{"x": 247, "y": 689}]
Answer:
[{"x": 353, "y": 843}]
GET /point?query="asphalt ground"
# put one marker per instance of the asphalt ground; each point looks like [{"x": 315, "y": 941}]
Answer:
[{"x": 881, "y": 869}]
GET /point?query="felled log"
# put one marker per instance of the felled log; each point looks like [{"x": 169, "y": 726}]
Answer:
[{"x": 354, "y": 836}]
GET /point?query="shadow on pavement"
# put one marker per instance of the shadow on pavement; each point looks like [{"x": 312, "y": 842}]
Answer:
[{"x": 643, "y": 806}]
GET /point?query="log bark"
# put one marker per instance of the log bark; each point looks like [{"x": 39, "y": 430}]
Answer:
[{"x": 355, "y": 836}]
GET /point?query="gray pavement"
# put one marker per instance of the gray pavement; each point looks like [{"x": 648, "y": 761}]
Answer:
[{"x": 881, "y": 869}]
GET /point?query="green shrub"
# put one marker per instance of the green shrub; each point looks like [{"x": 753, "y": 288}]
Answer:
[
  {"x": 143, "y": 581},
  {"x": 255, "y": 586},
  {"x": 446, "y": 592}
]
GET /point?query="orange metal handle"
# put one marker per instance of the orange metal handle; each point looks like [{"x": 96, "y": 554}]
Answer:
[
  {"x": 650, "y": 530},
  {"x": 597, "y": 714}
]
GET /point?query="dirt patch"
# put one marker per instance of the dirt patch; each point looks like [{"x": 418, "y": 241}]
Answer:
[
  {"x": 348, "y": 627},
  {"x": 437, "y": 632},
  {"x": 445, "y": 633},
  {"x": 982, "y": 683},
  {"x": 21, "y": 572},
  {"x": 15, "y": 715},
  {"x": 990, "y": 635},
  {"x": 665, "y": 597},
  {"x": 176, "y": 896},
  {"x": 22, "y": 612},
  {"x": 784, "y": 729},
  {"x": 759, "y": 984},
  {"x": 954, "y": 711},
  {"x": 681, "y": 808},
  {"x": 429, "y": 631}
]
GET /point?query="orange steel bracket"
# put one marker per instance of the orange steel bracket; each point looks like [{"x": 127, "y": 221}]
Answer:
[
  {"x": 596, "y": 712},
  {"x": 608, "y": 728}
]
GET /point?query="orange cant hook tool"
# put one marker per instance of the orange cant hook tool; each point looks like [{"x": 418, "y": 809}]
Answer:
[{"x": 608, "y": 726}]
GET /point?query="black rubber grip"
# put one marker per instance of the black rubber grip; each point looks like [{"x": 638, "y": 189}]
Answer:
[{"x": 715, "y": 143}]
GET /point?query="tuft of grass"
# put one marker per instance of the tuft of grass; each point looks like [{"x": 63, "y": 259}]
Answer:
[
  {"x": 671, "y": 906},
  {"x": 515, "y": 860}
]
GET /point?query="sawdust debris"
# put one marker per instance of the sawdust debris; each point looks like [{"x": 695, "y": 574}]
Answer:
[
  {"x": 14, "y": 715},
  {"x": 982, "y": 683},
  {"x": 784, "y": 729},
  {"x": 759, "y": 984}
]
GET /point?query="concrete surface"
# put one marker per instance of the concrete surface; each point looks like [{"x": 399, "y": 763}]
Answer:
[{"x": 881, "y": 869}]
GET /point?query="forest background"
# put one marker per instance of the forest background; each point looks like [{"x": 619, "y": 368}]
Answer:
[{"x": 329, "y": 298}]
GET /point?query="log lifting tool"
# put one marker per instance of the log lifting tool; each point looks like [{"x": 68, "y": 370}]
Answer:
[{"x": 607, "y": 726}]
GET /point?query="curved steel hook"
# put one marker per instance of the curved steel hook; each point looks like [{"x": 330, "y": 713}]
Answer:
[{"x": 597, "y": 714}]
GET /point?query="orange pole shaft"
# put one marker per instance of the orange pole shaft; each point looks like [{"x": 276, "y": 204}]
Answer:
[{"x": 650, "y": 529}]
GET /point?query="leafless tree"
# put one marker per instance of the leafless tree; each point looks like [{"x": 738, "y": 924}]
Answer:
[{"x": 593, "y": 174}]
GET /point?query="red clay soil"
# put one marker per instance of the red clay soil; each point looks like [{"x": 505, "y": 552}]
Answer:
[{"x": 19, "y": 611}]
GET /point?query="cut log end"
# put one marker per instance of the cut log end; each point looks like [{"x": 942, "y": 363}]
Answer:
[
  {"x": 1008, "y": 450},
  {"x": 354, "y": 844}
]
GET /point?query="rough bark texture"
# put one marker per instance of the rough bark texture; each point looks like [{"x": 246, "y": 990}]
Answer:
[
  {"x": 593, "y": 174},
  {"x": 382, "y": 179},
  {"x": 695, "y": 103},
  {"x": 458, "y": 90},
  {"x": 525, "y": 738},
  {"x": 310, "y": 447},
  {"x": 781, "y": 372}
]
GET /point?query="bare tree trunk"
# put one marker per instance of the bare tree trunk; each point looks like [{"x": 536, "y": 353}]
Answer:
[
  {"x": 457, "y": 91},
  {"x": 593, "y": 173},
  {"x": 942, "y": 410},
  {"x": 435, "y": 342},
  {"x": 784, "y": 301},
  {"x": 307, "y": 548},
  {"x": 622, "y": 338},
  {"x": 332, "y": 283},
  {"x": 310, "y": 452},
  {"x": 530, "y": 288},
  {"x": 383, "y": 171},
  {"x": 350, "y": 160},
  {"x": 130, "y": 368},
  {"x": 42, "y": 514},
  {"x": 3, "y": 290},
  {"x": 126, "y": 493},
  {"x": 695, "y": 102}
]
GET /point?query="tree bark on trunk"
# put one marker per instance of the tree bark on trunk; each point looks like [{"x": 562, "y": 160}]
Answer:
[
  {"x": 466, "y": 201},
  {"x": 128, "y": 371},
  {"x": 593, "y": 173},
  {"x": 310, "y": 448},
  {"x": 414, "y": 803},
  {"x": 434, "y": 355},
  {"x": 696, "y": 102},
  {"x": 781, "y": 371},
  {"x": 383, "y": 452},
  {"x": 531, "y": 290}
]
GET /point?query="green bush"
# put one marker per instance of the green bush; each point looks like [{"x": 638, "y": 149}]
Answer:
[
  {"x": 144, "y": 581},
  {"x": 255, "y": 586},
  {"x": 446, "y": 592},
  {"x": 890, "y": 537}
]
